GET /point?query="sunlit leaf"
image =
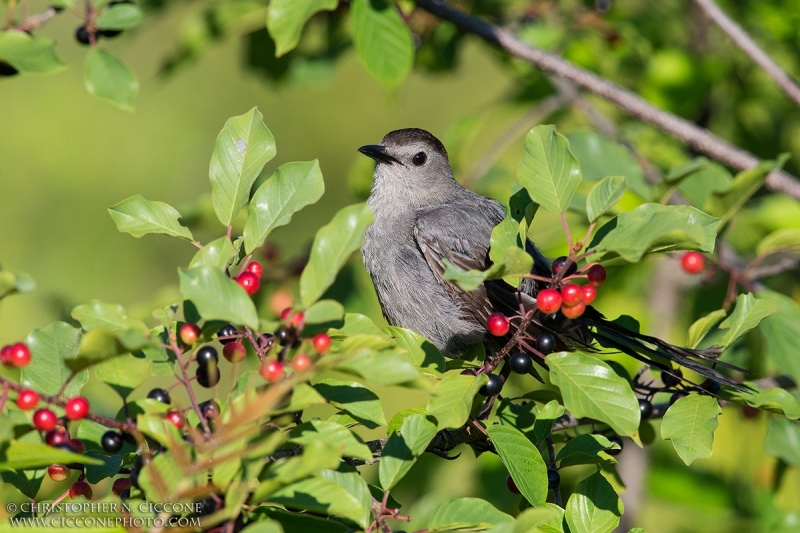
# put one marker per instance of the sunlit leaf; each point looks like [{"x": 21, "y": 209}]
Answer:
[
  {"x": 747, "y": 314},
  {"x": 523, "y": 461},
  {"x": 604, "y": 195},
  {"x": 139, "y": 216},
  {"x": 120, "y": 16},
  {"x": 451, "y": 399},
  {"x": 354, "y": 398},
  {"x": 466, "y": 513},
  {"x": 50, "y": 347},
  {"x": 382, "y": 40},
  {"x": 27, "y": 53},
  {"x": 403, "y": 448},
  {"x": 548, "y": 169},
  {"x": 594, "y": 507},
  {"x": 107, "y": 77},
  {"x": 690, "y": 424},
  {"x": 217, "y": 297},
  {"x": 286, "y": 18}
]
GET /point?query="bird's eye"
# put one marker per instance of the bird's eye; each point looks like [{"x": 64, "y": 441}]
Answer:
[{"x": 419, "y": 159}]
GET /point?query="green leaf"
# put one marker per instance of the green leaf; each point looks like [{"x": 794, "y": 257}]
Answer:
[
  {"x": 121, "y": 16},
  {"x": 549, "y": 518},
  {"x": 403, "y": 448},
  {"x": 783, "y": 240},
  {"x": 600, "y": 157},
  {"x": 139, "y": 216},
  {"x": 292, "y": 187},
  {"x": 379, "y": 367},
  {"x": 467, "y": 280},
  {"x": 749, "y": 312},
  {"x": 124, "y": 373},
  {"x": 594, "y": 507},
  {"x": 776, "y": 399},
  {"x": 451, "y": 399},
  {"x": 333, "y": 245},
  {"x": 422, "y": 352},
  {"x": 604, "y": 195},
  {"x": 516, "y": 262},
  {"x": 324, "y": 311},
  {"x": 783, "y": 440},
  {"x": 545, "y": 418},
  {"x": 350, "y": 480},
  {"x": 96, "y": 314},
  {"x": 11, "y": 283},
  {"x": 286, "y": 18},
  {"x": 690, "y": 424},
  {"x": 96, "y": 346},
  {"x": 320, "y": 496},
  {"x": 338, "y": 437},
  {"x": 781, "y": 333},
  {"x": 217, "y": 254},
  {"x": 698, "y": 186},
  {"x": 383, "y": 41},
  {"x": 548, "y": 170},
  {"x": 702, "y": 326},
  {"x": 107, "y": 77},
  {"x": 27, "y": 53},
  {"x": 523, "y": 461},
  {"x": 584, "y": 449},
  {"x": 466, "y": 513},
  {"x": 656, "y": 228},
  {"x": 592, "y": 389},
  {"x": 217, "y": 297},
  {"x": 292, "y": 522},
  {"x": 47, "y": 371},
  {"x": 354, "y": 398},
  {"x": 263, "y": 526},
  {"x": 242, "y": 149},
  {"x": 316, "y": 457},
  {"x": 303, "y": 397},
  {"x": 23, "y": 455},
  {"x": 727, "y": 203}
]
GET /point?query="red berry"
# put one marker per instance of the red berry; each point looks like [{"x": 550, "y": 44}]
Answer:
[
  {"x": 511, "y": 485},
  {"x": 497, "y": 324},
  {"x": 301, "y": 362},
  {"x": 548, "y": 301},
  {"x": 256, "y": 268},
  {"x": 27, "y": 399},
  {"x": 44, "y": 419},
  {"x": 249, "y": 282},
  {"x": 120, "y": 485},
  {"x": 596, "y": 274},
  {"x": 78, "y": 444},
  {"x": 574, "y": 311},
  {"x": 693, "y": 262},
  {"x": 571, "y": 294},
  {"x": 298, "y": 320},
  {"x": 56, "y": 436},
  {"x": 321, "y": 341},
  {"x": 5, "y": 355},
  {"x": 20, "y": 355},
  {"x": 285, "y": 313},
  {"x": 272, "y": 371},
  {"x": 234, "y": 352},
  {"x": 750, "y": 411},
  {"x": 58, "y": 472},
  {"x": 76, "y": 408},
  {"x": 80, "y": 488},
  {"x": 189, "y": 333},
  {"x": 175, "y": 418},
  {"x": 588, "y": 294}
]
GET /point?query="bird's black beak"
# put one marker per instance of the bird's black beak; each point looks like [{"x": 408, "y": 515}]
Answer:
[{"x": 378, "y": 153}]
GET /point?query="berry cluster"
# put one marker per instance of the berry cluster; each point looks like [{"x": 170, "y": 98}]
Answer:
[{"x": 572, "y": 299}]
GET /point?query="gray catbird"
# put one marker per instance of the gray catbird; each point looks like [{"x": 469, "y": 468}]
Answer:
[{"x": 422, "y": 216}]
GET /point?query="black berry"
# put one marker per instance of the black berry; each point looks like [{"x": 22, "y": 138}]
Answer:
[
  {"x": 82, "y": 35},
  {"x": 109, "y": 34},
  {"x": 711, "y": 386},
  {"x": 521, "y": 363},
  {"x": 553, "y": 479},
  {"x": 207, "y": 376},
  {"x": 493, "y": 387},
  {"x": 209, "y": 408},
  {"x": 615, "y": 440},
  {"x": 159, "y": 395},
  {"x": 545, "y": 343},
  {"x": 558, "y": 265},
  {"x": 265, "y": 341},
  {"x": 554, "y": 320},
  {"x": 645, "y": 408},
  {"x": 207, "y": 354},
  {"x": 511, "y": 485},
  {"x": 677, "y": 396},
  {"x": 670, "y": 378},
  {"x": 7, "y": 70},
  {"x": 134, "y": 477},
  {"x": 125, "y": 494},
  {"x": 226, "y": 331},
  {"x": 111, "y": 441}
]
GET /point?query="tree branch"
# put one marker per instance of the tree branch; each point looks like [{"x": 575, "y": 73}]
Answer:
[
  {"x": 741, "y": 39},
  {"x": 698, "y": 138}
]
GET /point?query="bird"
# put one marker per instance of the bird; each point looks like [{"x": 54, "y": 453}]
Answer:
[{"x": 423, "y": 217}]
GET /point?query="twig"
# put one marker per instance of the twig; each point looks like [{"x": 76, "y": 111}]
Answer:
[
  {"x": 551, "y": 452},
  {"x": 4, "y": 397},
  {"x": 35, "y": 21},
  {"x": 184, "y": 378},
  {"x": 741, "y": 39},
  {"x": 698, "y": 138}
]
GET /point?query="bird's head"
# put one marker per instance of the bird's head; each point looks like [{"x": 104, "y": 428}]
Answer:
[{"x": 411, "y": 163}]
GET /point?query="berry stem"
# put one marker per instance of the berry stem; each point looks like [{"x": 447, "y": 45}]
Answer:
[
  {"x": 585, "y": 240},
  {"x": 60, "y": 393},
  {"x": 184, "y": 379},
  {"x": 254, "y": 343},
  {"x": 197, "y": 244},
  {"x": 491, "y": 364},
  {"x": 4, "y": 397}
]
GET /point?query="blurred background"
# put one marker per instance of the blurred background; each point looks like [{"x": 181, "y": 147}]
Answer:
[{"x": 66, "y": 156}]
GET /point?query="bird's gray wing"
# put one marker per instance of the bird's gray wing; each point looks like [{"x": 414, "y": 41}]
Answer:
[{"x": 462, "y": 237}]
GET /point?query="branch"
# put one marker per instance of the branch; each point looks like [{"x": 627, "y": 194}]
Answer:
[
  {"x": 741, "y": 39},
  {"x": 34, "y": 21},
  {"x": 698, "y": 138}
]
